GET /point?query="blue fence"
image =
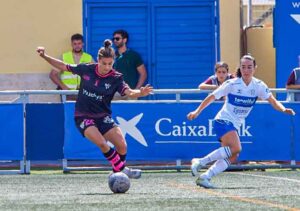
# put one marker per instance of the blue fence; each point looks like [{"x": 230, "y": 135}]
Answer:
[
  {"x": 161, "y": 131},
  {"x": 44, "y": 131},
  {"x": 12, "y": 132},
  {"x": 154, "y": 131}
]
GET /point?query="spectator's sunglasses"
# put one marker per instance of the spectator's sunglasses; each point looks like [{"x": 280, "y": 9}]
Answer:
[{"x": 116, "y": 38}]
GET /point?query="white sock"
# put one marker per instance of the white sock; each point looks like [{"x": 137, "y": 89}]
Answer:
[
  {"x": 218, "y": 154},
  {"x": 218, "y": 167}
]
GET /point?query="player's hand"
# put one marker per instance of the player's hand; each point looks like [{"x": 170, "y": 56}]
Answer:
[
  {"x": 146, "y": 90},
  {"x": 289, "y": 111},
  {"x": 41, "y": 51},
  {"x": 64, "y": 87},
  {"x": 192, "y": 115}
]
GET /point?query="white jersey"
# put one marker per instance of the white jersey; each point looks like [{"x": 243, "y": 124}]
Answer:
[{"x": 240, "y": 99}]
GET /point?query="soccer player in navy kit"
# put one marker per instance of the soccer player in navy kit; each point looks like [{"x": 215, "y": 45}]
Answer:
[
  {"x": 99, "y": 83},
  {"x": 241, "y": 94}
]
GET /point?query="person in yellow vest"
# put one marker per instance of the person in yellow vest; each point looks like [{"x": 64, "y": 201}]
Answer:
[{"x": 67, "y": 80}]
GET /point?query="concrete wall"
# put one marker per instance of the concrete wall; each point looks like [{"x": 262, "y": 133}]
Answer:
[
  {"x": 260, "y": 45},
  {"x": 28, "y": 24}
]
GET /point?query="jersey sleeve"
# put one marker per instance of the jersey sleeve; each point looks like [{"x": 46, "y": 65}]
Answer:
[
  {"x": 264, "y": 92},
  {"x": 208, "y": 81},
  {"x": 222, "y": 90},
  {"x": 291, "y": 79},
  {"x": 138, "y": 60},
  {"x": 122, "y": 86},
  {"x": 77, "y": 69}
]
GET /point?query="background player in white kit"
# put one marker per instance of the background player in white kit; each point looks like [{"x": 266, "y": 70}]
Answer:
[{"x": 241, "y": 94}]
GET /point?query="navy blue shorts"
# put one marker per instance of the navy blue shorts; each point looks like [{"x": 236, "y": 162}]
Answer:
[
  {"x": 104, "y": 124},
  {"x": 221, "y": 127}
]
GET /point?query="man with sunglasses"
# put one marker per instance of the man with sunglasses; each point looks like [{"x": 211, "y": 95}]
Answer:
[{"x": 128, "y": 62}]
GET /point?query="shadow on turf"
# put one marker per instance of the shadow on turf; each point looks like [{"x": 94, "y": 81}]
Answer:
[
  {"x": 109, "y": 194},
  {"x": 95, "y": 194},
  {"x": 236, "y": 188}
]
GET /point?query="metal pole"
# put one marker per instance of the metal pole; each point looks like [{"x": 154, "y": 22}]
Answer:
[
  {"x": 292, "y": 137},
  {"x": 178, "y": 165},
  {"x": 177, "y": 97},
  {"x": 25, "y": 100},
  {"x": 249, "y": 13}
]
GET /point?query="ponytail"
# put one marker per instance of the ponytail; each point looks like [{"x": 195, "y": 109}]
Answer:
[
  {"x": 238, "y": 73},
  {"x": 106, "y": 51}
]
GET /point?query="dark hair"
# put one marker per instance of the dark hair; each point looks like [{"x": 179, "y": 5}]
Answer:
[
  {"x": 248, "y": 57},
  {"x": 106, "y": 51},
  {"x": 221, "y": 64},
  {"x": 76, "y": 37},
  {"x": 122, "y": 32}
]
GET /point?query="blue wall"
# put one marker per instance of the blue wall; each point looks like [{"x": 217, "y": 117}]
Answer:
[{"x": 178, "y": 40}]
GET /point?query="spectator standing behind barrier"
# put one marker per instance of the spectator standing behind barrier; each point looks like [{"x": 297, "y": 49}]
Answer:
[
  {"x": 128, "y": 62},
  {"x": 99, "y": 83},
  {"x": 241, "y": 93},
  {"x": 221, "y": 74},
  {"x": 293, "y": 82},
  {"x": 68, "y": 80}
]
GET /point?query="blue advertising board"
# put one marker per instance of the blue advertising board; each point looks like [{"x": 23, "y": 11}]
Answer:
[
  {"x": 286, "y": 38},
  {"x": 12, "y": 132},
  {"x": 160, "y": 131},
  {"x": 44, "y": 131}
]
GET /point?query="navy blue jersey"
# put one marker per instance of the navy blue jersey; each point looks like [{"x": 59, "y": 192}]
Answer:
[{"x": 96, "y": 91}]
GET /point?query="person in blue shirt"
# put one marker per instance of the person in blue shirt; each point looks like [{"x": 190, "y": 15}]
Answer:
[
  {"x": 241, "y": 94},
  {"x": 99, "y": 83}
]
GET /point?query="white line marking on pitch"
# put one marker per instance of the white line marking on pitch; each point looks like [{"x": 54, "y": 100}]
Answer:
[{"x": 278, "y": 178}]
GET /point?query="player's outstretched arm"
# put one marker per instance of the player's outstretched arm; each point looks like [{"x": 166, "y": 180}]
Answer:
[
  {"x": 142, "y": 92},
  {"x": 279, "y": 107},
  {"x": 194, "y": 114},
  {"x": 205, "y": 86},
  {"x": 58, "y": 64}
]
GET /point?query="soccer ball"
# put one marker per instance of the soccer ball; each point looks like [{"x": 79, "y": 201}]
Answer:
[{"x": 118, "y": 182}]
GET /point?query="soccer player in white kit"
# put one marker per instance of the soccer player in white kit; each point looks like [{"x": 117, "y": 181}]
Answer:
[{"x": 241, "y": 94}]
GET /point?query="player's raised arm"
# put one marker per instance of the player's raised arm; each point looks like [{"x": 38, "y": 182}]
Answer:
[{"x": 58, "y": 64}]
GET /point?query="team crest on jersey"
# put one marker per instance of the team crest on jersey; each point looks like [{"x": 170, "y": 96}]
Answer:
[
  {"x": 252, "y": 92},
  {"x": 107, "y": 86},
  {"x": 86, "y": 77},
  {"x": 96, "y": 83},
  {"x": 239, "y": 91}
]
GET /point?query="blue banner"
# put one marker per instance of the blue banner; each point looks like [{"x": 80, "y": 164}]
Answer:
[
  {"x": 160, "y": 131},
  {"x": 286, "y": 38},
  {"x": 44, "y": 131},
  {"x": 11, "y": 136}
]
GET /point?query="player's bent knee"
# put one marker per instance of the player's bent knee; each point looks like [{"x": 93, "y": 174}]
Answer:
[{"x": 101, "y": 144}]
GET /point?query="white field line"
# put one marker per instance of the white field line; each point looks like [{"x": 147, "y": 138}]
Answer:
[{"x": 267, "y": 177}]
